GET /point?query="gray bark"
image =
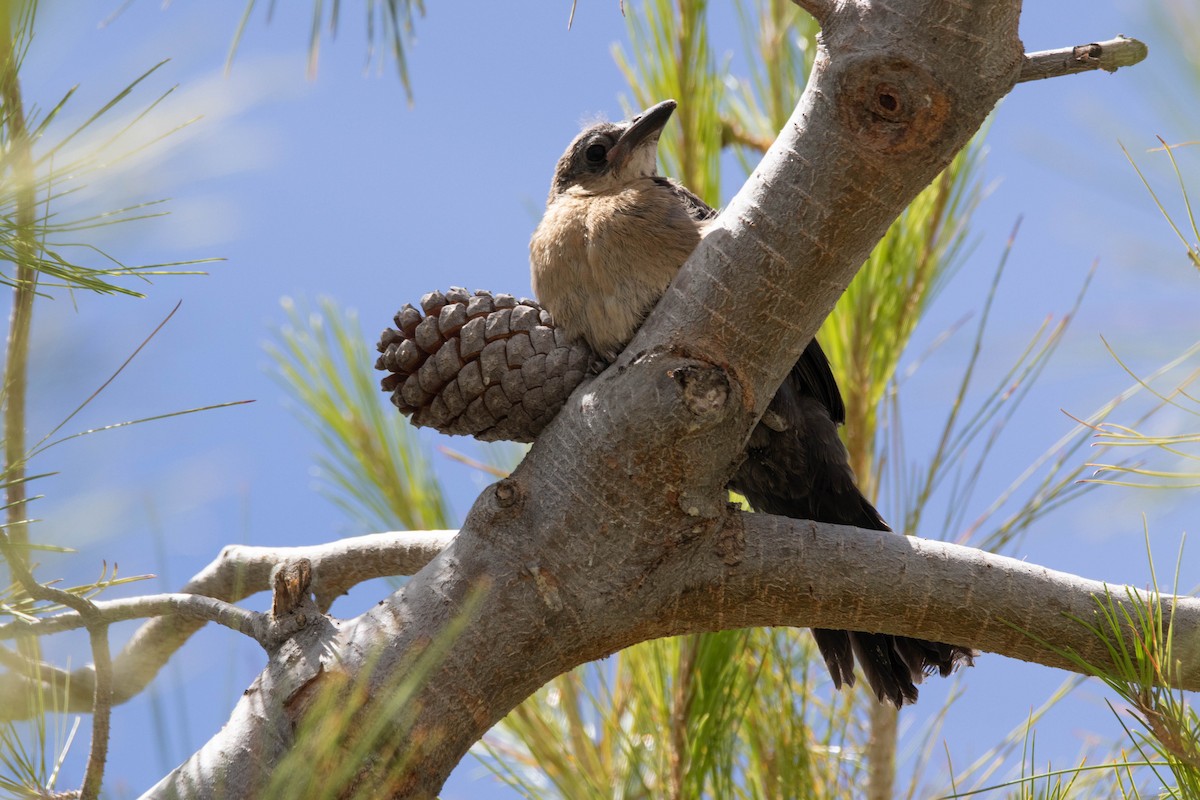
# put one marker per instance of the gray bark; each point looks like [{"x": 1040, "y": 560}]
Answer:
[{"x": 615, "y": 528}]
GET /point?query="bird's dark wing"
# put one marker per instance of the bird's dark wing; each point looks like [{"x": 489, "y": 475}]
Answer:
[
  {"x": 813, "y": 376},
  {"x": 696, "y": 208}
]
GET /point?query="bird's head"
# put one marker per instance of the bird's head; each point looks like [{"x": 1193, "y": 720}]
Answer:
[{"x": 608, "y": 155}]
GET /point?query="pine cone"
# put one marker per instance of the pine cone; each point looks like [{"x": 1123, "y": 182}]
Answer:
[{"x": 483, "y": 365}]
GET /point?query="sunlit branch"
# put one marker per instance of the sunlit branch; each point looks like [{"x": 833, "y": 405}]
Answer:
[{"x": 1108, "y": 56}]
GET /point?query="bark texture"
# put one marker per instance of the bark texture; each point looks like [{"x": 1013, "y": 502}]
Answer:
[{"x": 615, "y": 529}]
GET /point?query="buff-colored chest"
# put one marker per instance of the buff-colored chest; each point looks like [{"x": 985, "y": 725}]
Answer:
[{"x": 601, "y": 261}]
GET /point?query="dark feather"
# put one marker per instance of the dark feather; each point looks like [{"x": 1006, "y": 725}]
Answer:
[
  {"x": 812, "y": 375},
  {"x": 696, "y": 208}
]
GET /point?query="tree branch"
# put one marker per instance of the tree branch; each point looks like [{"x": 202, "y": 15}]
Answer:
[
  {"x": 19, "y": 145},
  {"x": 93, "y": 777},
  {"x": 615, "y": 529},
  {"x": 235, "y": 574},
  {"x": 820, "y": 9},
  {"x": 101, "y": 696},
  {"x": 734, "y": 134},
  {"x": 945, "y": 592},
  {"x": 757, "y": 570},
  {"x": 189, "y": 606},
  {"x": 1108, "y": 56}
]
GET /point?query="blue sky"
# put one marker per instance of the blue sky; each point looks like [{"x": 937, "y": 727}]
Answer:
[{"x": 336, "y": 186}]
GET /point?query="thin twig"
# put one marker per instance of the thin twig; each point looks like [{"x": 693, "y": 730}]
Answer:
[
  {"x": 16, "y": 375},
  {"x": 101, "y": 711},
  {"x": 236, "y": 573},
  {"x": 191, "y": 606},
  {"x": 16, "y": 370},
  {"x": 101, "y": 702},
  {"x": 1108, "y": 56},
  {"x": 734, "y": 134}
]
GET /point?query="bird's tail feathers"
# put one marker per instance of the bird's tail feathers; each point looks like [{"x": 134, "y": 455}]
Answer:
[{"x": 892, "y": 665}]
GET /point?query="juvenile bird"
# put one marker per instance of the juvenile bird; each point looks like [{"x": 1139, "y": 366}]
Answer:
[{"x": 613, "y": 236}]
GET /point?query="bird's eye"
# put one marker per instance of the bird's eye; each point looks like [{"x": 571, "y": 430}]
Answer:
[{"x": 596, "y": 153}]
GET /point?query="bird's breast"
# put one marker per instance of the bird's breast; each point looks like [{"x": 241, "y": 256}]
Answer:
[{"x": 601, "y": 261}]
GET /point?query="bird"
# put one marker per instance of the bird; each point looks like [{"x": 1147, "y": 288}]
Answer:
[{"x": 613, "y": 236}]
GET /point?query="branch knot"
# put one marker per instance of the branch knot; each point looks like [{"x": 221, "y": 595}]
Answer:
[
  {"x": 892, "y": 105},
  {"x": 705, "y": 390}
]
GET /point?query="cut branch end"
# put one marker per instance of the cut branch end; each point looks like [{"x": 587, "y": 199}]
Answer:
[{"x": 1108, "y": 56}]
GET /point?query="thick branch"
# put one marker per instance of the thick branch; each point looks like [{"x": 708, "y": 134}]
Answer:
[
  {"x": 1108, "y": 56},
  {"x": 938, "y": 591},
  {"x": 756, "y": 570},
  {"x": 889, "y": 102}
]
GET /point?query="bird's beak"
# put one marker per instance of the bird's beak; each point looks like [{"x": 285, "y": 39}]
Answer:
[{"x": 644, "y": 127}]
